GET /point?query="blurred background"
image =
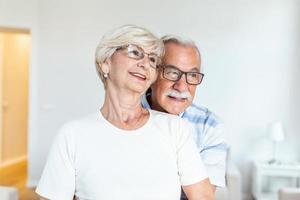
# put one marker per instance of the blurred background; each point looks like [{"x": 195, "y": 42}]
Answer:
[{"x": 251, "y": 60}]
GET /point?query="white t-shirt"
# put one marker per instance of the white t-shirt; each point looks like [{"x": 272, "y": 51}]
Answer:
[{"x": 92, "y": 159}]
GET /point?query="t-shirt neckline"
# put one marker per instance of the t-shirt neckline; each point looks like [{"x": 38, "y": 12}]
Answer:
[{"x": 102, "y": 118}]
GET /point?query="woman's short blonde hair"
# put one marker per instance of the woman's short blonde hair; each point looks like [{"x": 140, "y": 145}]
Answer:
[{"x": 125, "y": 35}]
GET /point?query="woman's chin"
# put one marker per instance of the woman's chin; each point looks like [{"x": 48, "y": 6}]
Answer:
[
  {"x": 138, "y": 87},
  {"x": 141, "y": 91}
]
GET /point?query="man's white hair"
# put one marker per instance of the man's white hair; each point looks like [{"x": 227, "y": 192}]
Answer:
[
  {"x": 180, "y": 41},
  {"x": 125, "y": 35}
]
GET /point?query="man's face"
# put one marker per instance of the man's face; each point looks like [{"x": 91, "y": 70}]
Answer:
[{"x": 172, "y": 96}]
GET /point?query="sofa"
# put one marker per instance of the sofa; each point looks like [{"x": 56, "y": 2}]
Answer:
[
  {"x": 289, "y": 194},
  {"x": 233, "y": 189},
  {"x": 8, "y": 193}
]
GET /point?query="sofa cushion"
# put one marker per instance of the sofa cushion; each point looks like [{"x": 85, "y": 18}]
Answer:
[{"x": 289, "y": 194}]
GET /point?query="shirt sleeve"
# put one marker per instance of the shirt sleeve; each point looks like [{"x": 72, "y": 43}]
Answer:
[
  {"x": 58, "y": 177},
  {"x": 190, "y": 166},
  {"x": 214, "y": 153}
]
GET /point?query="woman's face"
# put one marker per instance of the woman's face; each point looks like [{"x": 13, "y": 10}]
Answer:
[{"x": 132, "y": 68}]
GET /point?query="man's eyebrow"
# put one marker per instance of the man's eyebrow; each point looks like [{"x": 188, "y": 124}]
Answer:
[{"x": 195, "y": 69}]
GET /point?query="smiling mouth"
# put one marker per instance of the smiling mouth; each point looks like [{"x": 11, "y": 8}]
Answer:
[
  {"x": 177, "y": 98},
  {"x": 138, "y": 76}
]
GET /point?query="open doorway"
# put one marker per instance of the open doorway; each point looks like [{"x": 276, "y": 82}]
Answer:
[{"x": 15, "y": 46}]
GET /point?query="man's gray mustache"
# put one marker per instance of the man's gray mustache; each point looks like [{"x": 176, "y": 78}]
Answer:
[{"x": 177, "y": 94}]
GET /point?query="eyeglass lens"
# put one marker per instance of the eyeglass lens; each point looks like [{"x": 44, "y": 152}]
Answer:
[{"x": 174, "y": 74}]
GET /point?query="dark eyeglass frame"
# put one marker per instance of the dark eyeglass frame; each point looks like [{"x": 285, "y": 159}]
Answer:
[
  {"x": 143, "y": 53},
  {"x": 163, "y": 67}
]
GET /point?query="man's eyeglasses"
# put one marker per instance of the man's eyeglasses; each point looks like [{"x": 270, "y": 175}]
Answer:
[
  {"x": 137, "y": 53},
  {"x": 174, "y": 74}
]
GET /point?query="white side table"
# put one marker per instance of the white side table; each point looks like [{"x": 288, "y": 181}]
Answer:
[{"x": 264, "y": 170}]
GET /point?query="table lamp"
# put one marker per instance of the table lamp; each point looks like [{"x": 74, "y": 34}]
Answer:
[{"x": 276, "y": 135}]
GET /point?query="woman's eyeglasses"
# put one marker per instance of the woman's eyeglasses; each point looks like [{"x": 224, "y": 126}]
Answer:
[{"x": 137, "y": 53}]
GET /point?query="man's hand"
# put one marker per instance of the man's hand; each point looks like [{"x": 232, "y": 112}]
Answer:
[{"x": 202, "y": 190}]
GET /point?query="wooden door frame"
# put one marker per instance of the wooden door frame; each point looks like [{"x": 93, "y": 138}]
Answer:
[
  {"x": 1, "y": 98},
  {"x": 7, "y": 30},
  {"x": 14, "y": 30}
]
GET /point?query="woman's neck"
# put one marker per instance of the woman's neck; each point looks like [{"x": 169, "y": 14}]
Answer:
[{"x": 124, "y": 109}]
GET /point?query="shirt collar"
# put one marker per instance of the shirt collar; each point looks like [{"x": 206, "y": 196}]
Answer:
[{"x": 144, "y": 101}]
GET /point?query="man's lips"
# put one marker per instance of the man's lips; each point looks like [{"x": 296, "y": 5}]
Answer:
[
  {"x": 177, "y": 98},
  {"x": 138, "y": 75}
]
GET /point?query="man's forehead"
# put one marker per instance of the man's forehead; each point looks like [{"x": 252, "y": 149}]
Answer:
[{"x": 186, "y": 58}]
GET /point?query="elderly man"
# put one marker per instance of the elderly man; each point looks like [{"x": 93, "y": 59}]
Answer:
[{"x": 173, "y": 92}]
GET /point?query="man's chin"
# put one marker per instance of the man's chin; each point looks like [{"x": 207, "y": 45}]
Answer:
[
  {"x": 176, "y": 108},
  {"x": 174, "y": 112}
]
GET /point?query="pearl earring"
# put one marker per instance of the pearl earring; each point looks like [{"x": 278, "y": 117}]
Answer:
[{"x": 105, "y": 75}]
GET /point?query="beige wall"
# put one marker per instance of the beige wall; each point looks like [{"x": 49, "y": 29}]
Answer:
[{"x": 14, "y": 84}]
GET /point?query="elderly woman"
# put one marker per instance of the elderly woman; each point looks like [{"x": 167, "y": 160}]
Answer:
[{"x": 124, "y": 151}]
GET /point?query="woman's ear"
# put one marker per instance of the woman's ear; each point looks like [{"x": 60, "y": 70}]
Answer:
[{"x": 105, "y": 66}]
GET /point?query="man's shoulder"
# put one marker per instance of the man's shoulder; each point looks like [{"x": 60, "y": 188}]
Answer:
[{"x": 197, "y": 114}]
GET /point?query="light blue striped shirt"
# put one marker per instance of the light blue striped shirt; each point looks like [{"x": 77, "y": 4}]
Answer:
[{"x": 207, "y": 131}]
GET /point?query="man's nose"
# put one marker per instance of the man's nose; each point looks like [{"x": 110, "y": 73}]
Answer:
[{"x": 181, "y": 84}]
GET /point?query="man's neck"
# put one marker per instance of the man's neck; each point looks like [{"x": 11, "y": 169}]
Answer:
[{"x": 148, "y": 98}]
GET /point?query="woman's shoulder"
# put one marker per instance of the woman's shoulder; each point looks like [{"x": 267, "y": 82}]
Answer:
[
  {"x": 81, "y": 124},
  {"x": 157, "y": 115},
  {"x": 172, "y": 126},
  {"x": 163, "y": 115},
  {"x": 165, "y": 120}
]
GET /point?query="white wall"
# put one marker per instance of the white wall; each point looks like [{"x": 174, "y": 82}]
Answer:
[
  {"x": 250, "y": 54},
  {"x": 252, "y": 60}
]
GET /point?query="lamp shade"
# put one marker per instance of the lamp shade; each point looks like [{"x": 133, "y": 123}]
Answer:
[{"x": 276, "y": 132}]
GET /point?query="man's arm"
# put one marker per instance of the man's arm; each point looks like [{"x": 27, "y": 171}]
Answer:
[
  {"x": 208, "y": 132},
  {"x": 213, "y": 153},
  {"x": 42, "y": 198},
  {"x": 202, "y": 190}
]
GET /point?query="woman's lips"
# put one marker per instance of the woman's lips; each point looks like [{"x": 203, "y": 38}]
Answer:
[{"x": 138, "y": 75}]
